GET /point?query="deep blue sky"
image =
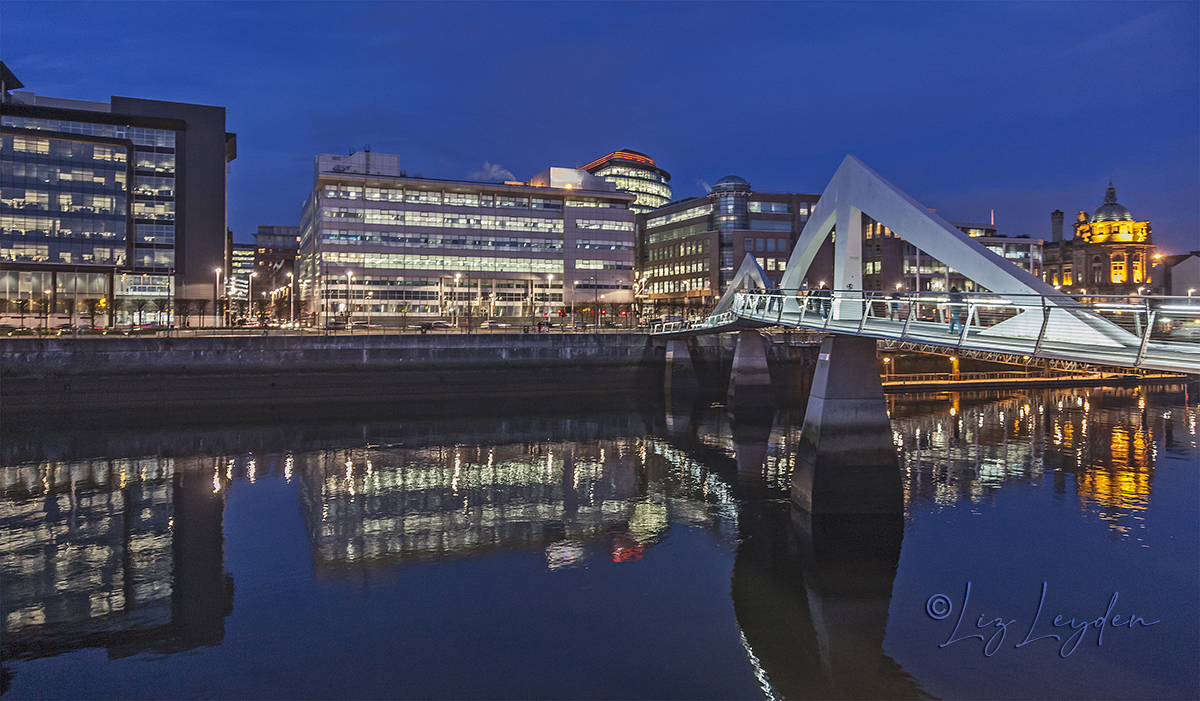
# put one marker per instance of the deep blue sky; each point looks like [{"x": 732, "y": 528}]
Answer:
[{"x": 1019, "y": 107}]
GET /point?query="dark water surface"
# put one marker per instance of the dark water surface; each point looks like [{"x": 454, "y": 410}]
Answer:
[{"x": 648, "y": 554}]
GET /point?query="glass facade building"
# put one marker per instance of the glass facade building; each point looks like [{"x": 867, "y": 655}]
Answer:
[
  {"x": 637, "y": 174},
  {"x": 91, "y": 213},
  {"x": 689, "y": 250},
  {"x": 375, "y": 241}
]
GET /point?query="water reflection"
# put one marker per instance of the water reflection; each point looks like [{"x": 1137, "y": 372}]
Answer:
[
  {"x": 128, "y": 554},
  {"x": 1098, "y": 444},
  {"x": 120, "y": 554}
]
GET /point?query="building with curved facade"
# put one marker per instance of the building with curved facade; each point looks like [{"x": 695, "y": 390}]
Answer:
[{"x": 637, "y": 174}]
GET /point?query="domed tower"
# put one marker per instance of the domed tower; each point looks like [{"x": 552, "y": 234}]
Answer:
[
  {"x": 635, "y": 173},
  {"x": 730, "y": 197},
  {"x": 1111, "y": 223},
  {"x": 1112, "y": 253}
]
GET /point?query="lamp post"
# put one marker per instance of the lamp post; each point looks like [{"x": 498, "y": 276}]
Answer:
[
  {"x": 46, "y": 312},
  {"x": 349, "y": 277},
  {"x": 250, "y": 296},
  {"x": 291, "y": 299},
  {"x": 595, "y": 303},
  {"x": 454, "y": 299},
  {"x": 216, "y": 288},
  {"x": 370, "y": 295}
]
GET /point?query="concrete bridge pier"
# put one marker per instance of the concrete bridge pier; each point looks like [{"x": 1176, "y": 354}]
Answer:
[
  {"x": 750, "y": 380},
  {"x": 680, "y": 379},
  {"x": 846, "y": 462}
]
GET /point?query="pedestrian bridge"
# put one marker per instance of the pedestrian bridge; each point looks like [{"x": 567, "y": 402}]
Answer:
[
  {"x": 1151, "y": 333},
  {"x": 1020, "y": 315}
]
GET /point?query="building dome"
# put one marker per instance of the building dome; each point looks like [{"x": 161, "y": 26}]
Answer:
[
  {"x": 731, "y": 183},
  {"x": 1110, "y": 210}
]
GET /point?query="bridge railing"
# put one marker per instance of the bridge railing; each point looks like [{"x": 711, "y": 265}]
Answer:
[{"x": 1154, "y": 324}]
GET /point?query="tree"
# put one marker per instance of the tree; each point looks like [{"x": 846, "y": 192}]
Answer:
[
  {"x": 163, "y": 305},
  {"x": 183, "y": 310},
  {"x": 138, "y": 304},
  {"x": 93, "y": 305},
  {"x": 201, "y": 308},
  {"x": 22, "y": 307}
]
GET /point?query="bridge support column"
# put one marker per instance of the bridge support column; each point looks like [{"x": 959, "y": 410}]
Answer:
[
  {"x": 680, "y": 377},
  {"x": 750, "y": 380},
  {"x": 845, "y": 461}
]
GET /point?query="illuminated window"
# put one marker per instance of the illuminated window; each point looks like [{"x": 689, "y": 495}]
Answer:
[{"x": 1118, "y": 268}]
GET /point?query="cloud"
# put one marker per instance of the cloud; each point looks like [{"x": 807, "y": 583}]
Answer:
[{"x": 491, "y": 171}]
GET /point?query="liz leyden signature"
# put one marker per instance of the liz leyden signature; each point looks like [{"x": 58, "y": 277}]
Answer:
[{"x": 939, "y": 607}]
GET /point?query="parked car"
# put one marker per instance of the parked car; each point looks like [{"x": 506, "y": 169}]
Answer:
[
  {"x": 494, "y": 325},
  {"x": 431, "y": 325}
]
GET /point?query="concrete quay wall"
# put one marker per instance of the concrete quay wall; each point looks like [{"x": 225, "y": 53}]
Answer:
[
  {"x": 21, "y": 357},
  {"x": 197, "y": 378}
]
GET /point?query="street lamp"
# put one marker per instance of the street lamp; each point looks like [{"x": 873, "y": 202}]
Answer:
[
  {"x": 250, "y": 295},
  {"x": 454, "y": 298},
  {"x": 291, "y": 299},
  {"x": 349, "y": 277},
  {"x": 595, "y": 301},
  {"x": 216, "y": 287}
]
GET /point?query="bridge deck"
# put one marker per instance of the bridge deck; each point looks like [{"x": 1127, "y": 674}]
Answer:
[{"x": 1152, "y": 348}]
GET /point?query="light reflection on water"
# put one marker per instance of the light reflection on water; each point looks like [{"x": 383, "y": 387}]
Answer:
[{"x": 668, "y": 538}]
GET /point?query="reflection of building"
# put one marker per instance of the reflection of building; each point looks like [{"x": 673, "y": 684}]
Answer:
[
  {"x": 637, "y": 174},
  {"x": 120, "y": 201},
  {"x": 123, "y": 554},
  {"x": 396, "y": 244},
  {"x": 1110, "y": 254},
  {"x": 688, "y": 250},
  {"x": 465, "y": 500},
  {"x": 1099, "y": 438}
]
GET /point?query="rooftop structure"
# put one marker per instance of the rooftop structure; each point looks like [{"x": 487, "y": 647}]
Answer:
[{"x": 637, "y": 174}]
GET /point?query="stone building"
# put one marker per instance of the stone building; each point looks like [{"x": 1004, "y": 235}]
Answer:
[{"x": 1110, "y": 253}]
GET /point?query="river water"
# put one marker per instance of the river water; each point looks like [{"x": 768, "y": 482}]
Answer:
[{"x": 643, "y": 554}]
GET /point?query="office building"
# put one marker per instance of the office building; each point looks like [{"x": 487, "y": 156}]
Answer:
[
  {"x": 1110, "y": 253},
  {"x": 689, "y": 250},
  {"x": 637, "y": 174},
  {"x": 377, "y": 241},
  {"x": 241, "y": 267},
  {"x": 115, "y": 205},
  {"x": 925, "y": 273}
]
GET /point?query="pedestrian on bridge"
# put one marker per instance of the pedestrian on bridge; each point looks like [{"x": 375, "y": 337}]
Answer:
[
  {"x": 956, "y": 309},
  {"x": 825, "y": 300}
]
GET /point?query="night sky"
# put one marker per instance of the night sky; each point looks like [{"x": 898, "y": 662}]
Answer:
[{"x": 968, "y": 107}]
